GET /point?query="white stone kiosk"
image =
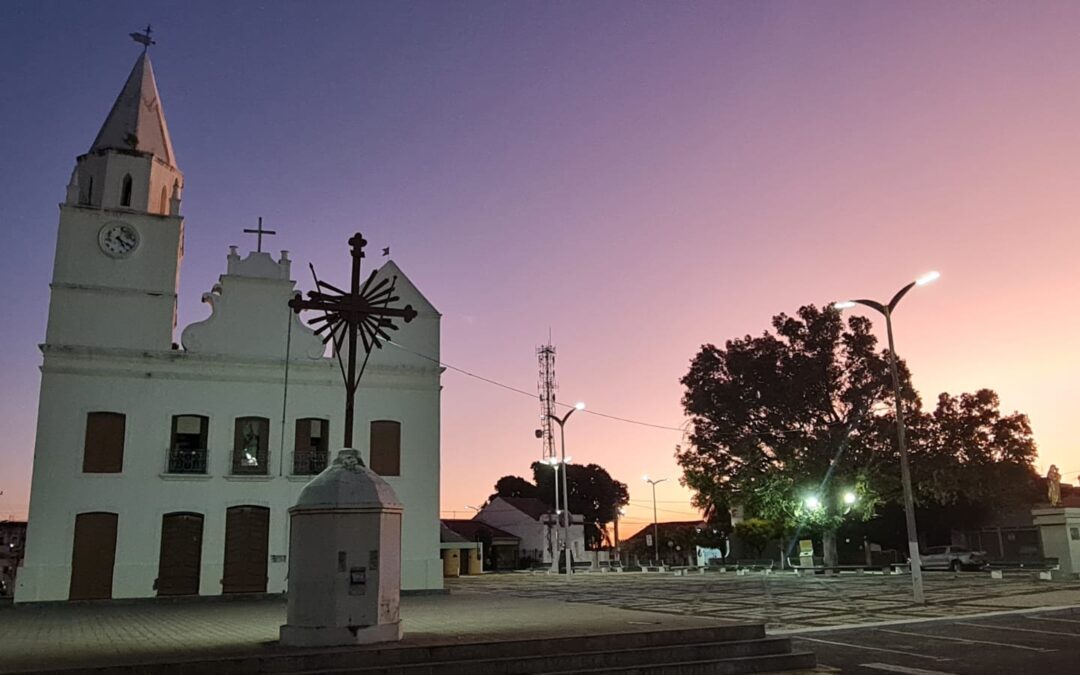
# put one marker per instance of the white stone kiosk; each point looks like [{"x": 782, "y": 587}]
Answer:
[
  {"x": 1059, "y": 529},
  {"x": 344, "y": 558}
]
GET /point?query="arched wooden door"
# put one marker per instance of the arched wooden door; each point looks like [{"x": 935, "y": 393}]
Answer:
[
  {"x": 93, "y": 553},
  {"x": 247, "y": 534},
  {"x": 181, "y": 554}
]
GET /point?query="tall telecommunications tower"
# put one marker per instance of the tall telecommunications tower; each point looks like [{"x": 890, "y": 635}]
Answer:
[{"x": 545, "y": 355}]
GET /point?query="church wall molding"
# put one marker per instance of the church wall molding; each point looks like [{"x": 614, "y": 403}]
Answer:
[
  {"x": 399, "y": 383},
  {"x": 111, "y": 290}
]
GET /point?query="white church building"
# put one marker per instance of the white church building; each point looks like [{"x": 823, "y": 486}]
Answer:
[{"x": 169, "y": 469}]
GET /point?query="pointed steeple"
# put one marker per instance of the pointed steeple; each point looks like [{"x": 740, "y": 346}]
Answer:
[{"x": 137, "y": 120}]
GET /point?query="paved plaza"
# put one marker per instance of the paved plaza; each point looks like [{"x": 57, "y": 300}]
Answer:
[
  {"x": 71, "y": 636},
  {"x": 784, "y": 601},
  {"x": 513, "y": 606}
]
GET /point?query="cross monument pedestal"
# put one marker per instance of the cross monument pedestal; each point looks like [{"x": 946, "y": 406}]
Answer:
[{"x": 344, "y": 559}]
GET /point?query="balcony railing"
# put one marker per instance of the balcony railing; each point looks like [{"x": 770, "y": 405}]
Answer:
[
  {"x": 187, "y": 460},
  {"x": 309, "y": 462}
]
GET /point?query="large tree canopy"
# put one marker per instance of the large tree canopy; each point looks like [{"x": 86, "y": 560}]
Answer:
[
  {"x": 966, "y": 452},
  {"x": 513, "y": 486},
  {"x": 594, "y": 494},
  {"x": 807, "y": 410},
  {"x": 791, "y": 414}
]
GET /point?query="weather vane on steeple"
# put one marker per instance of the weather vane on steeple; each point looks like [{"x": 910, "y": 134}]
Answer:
[{"x": 143, "y": 38}]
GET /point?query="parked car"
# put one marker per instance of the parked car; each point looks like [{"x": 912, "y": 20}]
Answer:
[{"x": 953, "y": 558}]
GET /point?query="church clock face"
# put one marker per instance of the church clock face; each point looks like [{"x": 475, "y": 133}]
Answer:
[{"x": 118, "y": 240}]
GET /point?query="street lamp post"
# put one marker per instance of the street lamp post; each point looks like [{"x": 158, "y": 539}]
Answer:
[
  {"x": 655, "y": 528},
  {"x": 553, "y": 462},
  {"x": 561, "y": 421},
  {"x": 905, "y": 471}
]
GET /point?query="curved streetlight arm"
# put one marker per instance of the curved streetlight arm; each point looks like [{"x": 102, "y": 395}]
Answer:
[
  {"x": 900, "y": 294},
  {"x": 872, "y": 304},
  {"x": 887, "y": 309},
  {"x": 562, "y": 420}
]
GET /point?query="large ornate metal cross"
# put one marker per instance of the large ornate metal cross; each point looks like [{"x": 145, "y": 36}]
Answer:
[{"x": 362, "y": 311}]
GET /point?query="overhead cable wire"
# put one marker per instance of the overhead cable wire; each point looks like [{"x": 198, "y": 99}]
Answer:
[
  {"x": 532, "y": 394},
  {"x": 588, "y": 411}
]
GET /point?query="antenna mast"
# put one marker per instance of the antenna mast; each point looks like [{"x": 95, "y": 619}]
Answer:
[{"x": 545, "y": 355}]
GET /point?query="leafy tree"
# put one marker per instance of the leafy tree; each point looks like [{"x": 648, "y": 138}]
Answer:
[
  {"x": 756, "y": 533},
  {"x": 594, "y": 494},
  {"x": 972, "y": 453},
  {"x": 513, "y": 486},
  {"x": 789, "y": 415}
]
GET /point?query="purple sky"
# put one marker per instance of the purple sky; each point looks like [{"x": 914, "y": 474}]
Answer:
[{"x": 639, "y": 177}]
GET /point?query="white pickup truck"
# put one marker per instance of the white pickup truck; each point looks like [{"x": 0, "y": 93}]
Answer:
[{"x": 953, "y": 558}]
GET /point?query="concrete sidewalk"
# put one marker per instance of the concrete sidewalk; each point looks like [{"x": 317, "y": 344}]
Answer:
[{"x": 49, "y": 637}]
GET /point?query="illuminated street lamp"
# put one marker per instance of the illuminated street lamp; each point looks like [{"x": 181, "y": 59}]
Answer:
[
  {"x": 812, "y": 503},
  {"x": 849, "y": 498},
  {"x": 561, "y": 421},
  {"x": 655, "y": 536},
  {"x": 905, "y": 471},
  {"x": 554, "y": 462}
]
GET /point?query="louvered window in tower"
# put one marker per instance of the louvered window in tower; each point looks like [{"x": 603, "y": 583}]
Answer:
[{"x": 125, "y": 191}]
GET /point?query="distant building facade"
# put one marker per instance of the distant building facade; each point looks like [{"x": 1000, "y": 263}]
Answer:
[
  {"x": 499, "y": 548},
  {"x": 536, "y": 526},
  {"x": 676, "y": 543},
  {"x": 12, "y": 544}
]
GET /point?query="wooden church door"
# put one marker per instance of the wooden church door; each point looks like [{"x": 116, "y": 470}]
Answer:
[
  {"x": 247, "y": 533},
  {"x": 181, "y": 554},
  {"x": 92, "y": 556}
]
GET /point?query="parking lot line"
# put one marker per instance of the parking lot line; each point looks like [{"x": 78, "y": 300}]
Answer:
[
  {"x": 902, "y": 669},
  {"x": 922, "y": 620},
  {"x": 969, "y": 641},
  {"x": 873, "y": 649},
  {"x": 1051, "y": 618},
  {"x": 1022, "y": 630}
]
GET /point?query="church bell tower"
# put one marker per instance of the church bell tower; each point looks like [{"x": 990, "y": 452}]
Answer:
[{"x": 121, "y": 235}]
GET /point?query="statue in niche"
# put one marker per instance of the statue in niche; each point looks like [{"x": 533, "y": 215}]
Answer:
[
  {"x": 251, "y": 446},
  {"x": 1053, "y": 485}
]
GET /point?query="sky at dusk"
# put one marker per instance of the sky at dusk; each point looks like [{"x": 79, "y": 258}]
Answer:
[{"x": 639, "y": 178}]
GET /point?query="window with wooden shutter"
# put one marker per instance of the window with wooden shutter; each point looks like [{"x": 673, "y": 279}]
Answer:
[
  {"x": 386, "y": 447},
  {"x": 103, "y": 448},
  {"x": 251, "y": 444}
]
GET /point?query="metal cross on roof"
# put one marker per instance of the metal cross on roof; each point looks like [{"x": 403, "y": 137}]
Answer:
[
  {"x": 143, "y": 38},
  {"x": 260, "y": 231},
  {"x": 363, "y": 311}
]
